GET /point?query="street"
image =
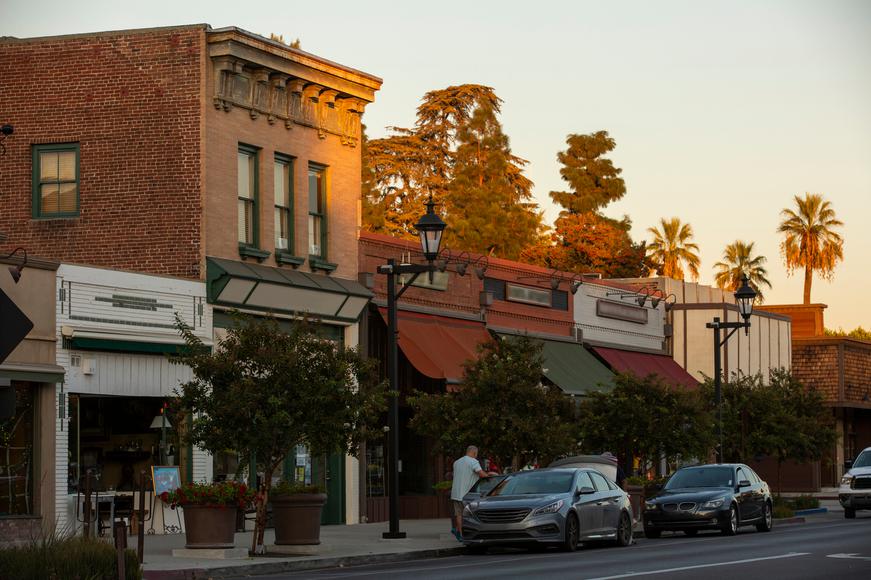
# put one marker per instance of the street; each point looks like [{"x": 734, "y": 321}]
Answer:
[{"x": 825, "y": 547}]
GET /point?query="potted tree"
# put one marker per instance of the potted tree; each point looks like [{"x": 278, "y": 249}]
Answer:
[
  {"x": 263, "y": 390},
  {"x": 209, "y": 511},
  {"x": 296, "y": 512}
]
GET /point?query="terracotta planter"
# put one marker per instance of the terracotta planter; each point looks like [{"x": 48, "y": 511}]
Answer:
[
  {"x": 297, "y": 518},
  {"x": 636, "y": 498},
  {"x": 209, "y": 526}
]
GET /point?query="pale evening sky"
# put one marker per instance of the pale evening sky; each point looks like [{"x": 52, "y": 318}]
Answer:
[{"x": 722, "y": 111}]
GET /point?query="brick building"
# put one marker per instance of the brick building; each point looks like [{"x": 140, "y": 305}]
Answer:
[{"x": 182, "y": 170}]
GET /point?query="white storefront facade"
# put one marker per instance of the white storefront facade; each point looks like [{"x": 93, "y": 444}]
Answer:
[{"x": 115, "y": 331}]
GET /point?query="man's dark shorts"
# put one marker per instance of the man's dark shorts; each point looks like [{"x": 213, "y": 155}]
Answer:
[{"x": 458, "y": 508}]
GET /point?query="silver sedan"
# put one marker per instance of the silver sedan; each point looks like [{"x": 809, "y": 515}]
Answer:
[{"x": 557, "y": 507}]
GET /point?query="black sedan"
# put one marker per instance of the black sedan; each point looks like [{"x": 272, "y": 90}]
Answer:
[{"x": 721, "y": 497}]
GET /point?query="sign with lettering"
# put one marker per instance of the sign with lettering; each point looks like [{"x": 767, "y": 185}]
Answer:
[{"x": 621, "y": 311}]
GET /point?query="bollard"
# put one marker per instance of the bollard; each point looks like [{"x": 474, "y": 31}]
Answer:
[
  {"x": 120, "y": 547},
  {"x": 140, "y": 541}
]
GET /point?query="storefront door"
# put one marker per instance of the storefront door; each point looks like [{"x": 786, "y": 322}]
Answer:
[{"x": 329, "y": 472}]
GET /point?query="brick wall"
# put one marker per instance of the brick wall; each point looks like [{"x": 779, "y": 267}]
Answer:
[
  {"x": 857, "y": 371},
  {"x": 132, "y": 100},
  {"x": 839, "y": 367}
]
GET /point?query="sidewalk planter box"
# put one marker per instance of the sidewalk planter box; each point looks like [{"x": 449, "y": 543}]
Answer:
[
  {"x": 636, "y": 498},
  {"x": 297, "y": 518},
  {"x": 209, "y": 527}
]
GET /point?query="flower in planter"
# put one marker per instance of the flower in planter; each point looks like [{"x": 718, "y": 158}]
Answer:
[
  {"x": 219, "y": 494},
  {"x": 285, "y": 487}
]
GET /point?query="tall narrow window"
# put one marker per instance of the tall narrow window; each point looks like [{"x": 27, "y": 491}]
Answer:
[
  {"x": 317, "y": 211},
  {"x": 247, "y": 192},
  {"x": 283, "y": 176},
  {"x": 56, "y": 180}
]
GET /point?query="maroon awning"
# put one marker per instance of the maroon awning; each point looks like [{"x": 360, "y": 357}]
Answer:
[
  {"x": 437, "y": 346},
  {"x": 643, "y": 364}
]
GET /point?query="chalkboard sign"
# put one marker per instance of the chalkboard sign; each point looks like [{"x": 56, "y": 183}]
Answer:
[{"x": 165, "y": 478}]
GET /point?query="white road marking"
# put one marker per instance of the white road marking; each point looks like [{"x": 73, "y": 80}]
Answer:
[
  {"x": 849, "y": 556},
  {"x": 696, "y": 567}
]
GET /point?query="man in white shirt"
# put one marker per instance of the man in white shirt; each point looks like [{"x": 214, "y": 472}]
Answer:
[{"x": 467, "y": 470}]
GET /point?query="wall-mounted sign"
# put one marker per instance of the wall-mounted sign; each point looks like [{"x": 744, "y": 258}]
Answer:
[{"x": 621, "y": 311}]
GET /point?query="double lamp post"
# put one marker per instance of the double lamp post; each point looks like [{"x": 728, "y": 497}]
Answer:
[
  {"x": 429, "y": 228},
  {"x": 744, "y": 298}
]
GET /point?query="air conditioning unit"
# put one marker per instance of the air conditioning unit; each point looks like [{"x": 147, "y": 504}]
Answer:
[
  {"x": 578, "y": 334},
  {"x": 89, "y": 366}
]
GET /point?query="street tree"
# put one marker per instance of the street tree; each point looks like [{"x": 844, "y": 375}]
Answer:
[
  {"x": 810, "y": 239},
  {"x": 738, "y": 261},
  {"x": 501, "y": 406},
  {"x": 858, "y": 333},
  {"x": 672, "y": 249},
  {"x": 263, "y": 390},
  {"x": 780, "y": 418},
  {"x": 644, "y": 417}
]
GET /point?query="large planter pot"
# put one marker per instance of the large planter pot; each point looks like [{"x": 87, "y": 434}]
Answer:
[
  {"x": 209, "y": 526},
  {"x": 636, "y": 498},
  {"x": 297, "y": 518}
]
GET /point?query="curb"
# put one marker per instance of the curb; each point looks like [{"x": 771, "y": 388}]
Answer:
[
  {"x": 811, "y": 511},
  {"x": 265, "y": 567}
]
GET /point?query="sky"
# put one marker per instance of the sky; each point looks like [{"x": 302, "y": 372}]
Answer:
[{"x": 722, "y": 111}]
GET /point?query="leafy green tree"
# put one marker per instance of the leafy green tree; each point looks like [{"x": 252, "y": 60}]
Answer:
[
  {"x": 262, "y": 391},
  {"x": 488, "y": 209},
  {"x": 780, "y": 418},
  {"x": 671, "y": 249},
  {"x": 456, "y": 149},
  {"x": 593, "y": 179},
  {"x": 590, "y": 242},
  {"x": 646, "y": 418},
  {"x": 810, "y": 240},
  {"x": 858, "y": 333},
  {"x": 501, "y": 407},
  {"x": 738, "y": 260}
]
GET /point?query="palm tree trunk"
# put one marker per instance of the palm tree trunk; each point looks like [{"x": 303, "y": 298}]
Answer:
[{"x": 808, "y": 280}]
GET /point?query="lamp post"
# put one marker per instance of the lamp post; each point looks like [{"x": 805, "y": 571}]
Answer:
[
  {"x": 744, "y": 297},
  {"x": 429, "y": 228}
]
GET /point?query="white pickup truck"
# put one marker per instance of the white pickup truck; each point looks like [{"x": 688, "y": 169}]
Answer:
[{"x": 855, "y": 491}]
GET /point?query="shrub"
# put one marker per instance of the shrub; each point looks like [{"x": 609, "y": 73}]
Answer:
[
  {"x": 285, "y": 487},
  {"x": 804, "y": 502},
  {"x": 65, "y": 557},
  {"x": 783, "y": 511}
]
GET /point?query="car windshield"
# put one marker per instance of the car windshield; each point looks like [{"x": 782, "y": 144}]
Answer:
[
  {"x": 483, "y": 486},
  {"x": 701, "y": 477},
  {"x": 535, "y": 482},
  {"x": 864, "y": 460}
]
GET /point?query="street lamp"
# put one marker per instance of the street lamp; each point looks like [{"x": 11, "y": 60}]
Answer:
[
  {"x": 744, "y": 297},
  {"x": 429, "y": 228}
]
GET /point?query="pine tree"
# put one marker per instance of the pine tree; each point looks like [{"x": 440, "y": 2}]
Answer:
[
  {"x": 412, "y": 164},
  {"x": 594, "y": 180}
]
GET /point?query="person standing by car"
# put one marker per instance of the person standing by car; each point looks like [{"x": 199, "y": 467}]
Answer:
[
  {"x": 620, "y": 477},
  {"x": 467, "y": 470}
]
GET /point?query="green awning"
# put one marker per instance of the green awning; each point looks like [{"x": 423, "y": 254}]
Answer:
[
  {"x": 89, "y": 343},
  {"x": 574, "y": 369},
  {"x": 258, "y": 287}
]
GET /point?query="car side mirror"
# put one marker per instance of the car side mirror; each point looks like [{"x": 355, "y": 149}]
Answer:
[
  {"x": 654, "y": 487},
  {"x": 744, "y": 483},
  {"x": 848, "y": 464},
  {"x": 585, "y": 490}
]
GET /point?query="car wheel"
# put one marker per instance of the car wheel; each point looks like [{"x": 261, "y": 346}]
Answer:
[
  {"x": 767, "y": 520},
  {"x": 624, "y": 530},
  {"x": 849, "y": 513},
  {"x": 730, "y": 527},
  {"x": 652, "y": 534},
  {"x": 570, "y": 543},
  {"x": 691, "y": 533}
]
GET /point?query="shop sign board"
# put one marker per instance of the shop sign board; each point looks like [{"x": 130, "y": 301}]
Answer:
[{"x": 14, "y": 326}]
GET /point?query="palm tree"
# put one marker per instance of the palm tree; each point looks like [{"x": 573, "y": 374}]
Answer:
[
  {"x": 671, "y": 249},
  {"x": 738, "y": 259},
  {"x": 810, "y": 241}
]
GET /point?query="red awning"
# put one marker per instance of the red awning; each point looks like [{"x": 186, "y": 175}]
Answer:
[
  {"x": 438, "y": 346},
  {"x": 643, "y": 364}
]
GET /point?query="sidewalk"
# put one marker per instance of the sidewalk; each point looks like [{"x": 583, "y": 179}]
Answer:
[{"x": 340, "y": 545}]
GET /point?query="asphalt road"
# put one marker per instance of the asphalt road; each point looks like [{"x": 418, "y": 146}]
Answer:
[{"x": 825, "y": 547}]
